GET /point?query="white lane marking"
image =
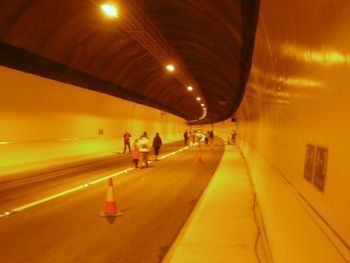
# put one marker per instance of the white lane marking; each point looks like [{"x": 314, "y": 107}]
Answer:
[
  {"x": 2, "y": 143},
  {"x": 68, "y": 139},
  {"x": 80, "y": 187}
]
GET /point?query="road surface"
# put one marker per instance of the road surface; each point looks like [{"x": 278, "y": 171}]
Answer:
[{"x": 155, "y": 203}]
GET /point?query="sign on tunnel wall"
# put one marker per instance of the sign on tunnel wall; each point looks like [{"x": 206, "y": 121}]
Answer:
[{"x": 316, "y": 165}]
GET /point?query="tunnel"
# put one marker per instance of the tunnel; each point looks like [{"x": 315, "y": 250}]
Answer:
[{"x": 243, "y": 99}]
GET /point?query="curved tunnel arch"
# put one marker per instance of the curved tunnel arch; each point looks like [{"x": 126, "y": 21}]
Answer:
[{"x": 78, "y": 38}]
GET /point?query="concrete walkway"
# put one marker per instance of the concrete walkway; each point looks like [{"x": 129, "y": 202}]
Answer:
[{"x": 222, "y": 227}]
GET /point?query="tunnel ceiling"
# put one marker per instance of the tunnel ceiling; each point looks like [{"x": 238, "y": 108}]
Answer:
[{"x": 73, "y": 42}]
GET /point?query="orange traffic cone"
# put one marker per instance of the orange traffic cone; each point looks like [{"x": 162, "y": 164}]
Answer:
[{"x": 110, "y": 208}]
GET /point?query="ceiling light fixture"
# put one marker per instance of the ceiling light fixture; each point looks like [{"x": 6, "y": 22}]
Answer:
[
  {"x": 198, "y": 98},
  {"x": 110, "y": 10},
  {"x": 170, "y": 67},
  {"x": 189, "y": 88}
]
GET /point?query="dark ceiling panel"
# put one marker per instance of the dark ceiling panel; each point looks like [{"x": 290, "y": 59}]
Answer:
[{"x": 76, "y": 44}]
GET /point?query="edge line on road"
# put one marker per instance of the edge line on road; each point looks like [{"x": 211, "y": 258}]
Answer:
[{"x": 80, "y": 187}]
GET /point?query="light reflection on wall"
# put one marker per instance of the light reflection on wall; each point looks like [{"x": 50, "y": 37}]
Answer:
[
  {"x": 275, "y": 89},
  {"x": 299, "y": 82},
  {"x": 268, "y": 96},
  {"x": 324, "y": 57},
  {"x": 287, "y": 81}
]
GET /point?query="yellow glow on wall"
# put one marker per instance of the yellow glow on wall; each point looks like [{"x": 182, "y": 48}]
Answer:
[
  {"x": 78, "y": 136},
  {"x": 287, "y": 81},
  {"x": 324, "y": 57},
  {"x": 295, "y": 82}
]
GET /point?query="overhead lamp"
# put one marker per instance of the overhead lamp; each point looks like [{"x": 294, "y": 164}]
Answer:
[
  {"x": 170, "y": 67},
  {"x": 198, "y": 98},
  {"x": 110, "y": 10},
  {"x": 189, "y": 88},
  {"x": 202, "y": 105}
]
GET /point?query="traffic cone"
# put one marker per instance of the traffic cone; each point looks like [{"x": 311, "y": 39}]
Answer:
[{"x": 110, "y": 208}]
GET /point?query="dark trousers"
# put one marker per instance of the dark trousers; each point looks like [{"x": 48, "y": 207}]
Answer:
[
  {"x": 127, "y": 144},
  {"x": 156, "y": 150}
]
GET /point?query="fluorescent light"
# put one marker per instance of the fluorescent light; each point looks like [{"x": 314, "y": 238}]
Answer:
[
  {"x": 110, "y": 10},
  {"x": 170, "y": 67}
]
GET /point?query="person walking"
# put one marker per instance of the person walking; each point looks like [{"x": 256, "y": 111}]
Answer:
[
  {"x": 211, "y": 138},
  {"x": 207, "y": 138},
  {"x": 126, "y": 137},
  {"x": 144, "y": 149},
  {"x": 157, "y": 143},
  {"x": 233, "y": 137},
  {"x": 193, "y": 135},
  {"x": 135, "y": 154}
]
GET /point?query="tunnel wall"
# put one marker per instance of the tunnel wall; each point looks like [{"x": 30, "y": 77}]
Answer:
[
  {"x": 293, "y": 128},
  {"x": 45, "y": 122}
]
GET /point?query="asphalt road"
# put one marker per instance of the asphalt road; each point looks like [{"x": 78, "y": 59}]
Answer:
[
  {"x": 19, "y": 189},
  {"x": 155, "y": 203}
]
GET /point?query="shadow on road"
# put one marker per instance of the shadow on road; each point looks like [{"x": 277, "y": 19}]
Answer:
[{"x": 110, "y": 219}]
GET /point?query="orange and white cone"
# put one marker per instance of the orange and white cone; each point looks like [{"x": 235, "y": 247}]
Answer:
[{"x": 110, "y": 208}]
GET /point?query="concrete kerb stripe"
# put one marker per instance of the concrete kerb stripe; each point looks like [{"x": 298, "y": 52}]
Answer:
[{"x": 168, "y": 257}]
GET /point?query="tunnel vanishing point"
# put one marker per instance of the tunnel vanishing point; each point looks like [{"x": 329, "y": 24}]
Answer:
[{"x": 75, "y": 75}]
